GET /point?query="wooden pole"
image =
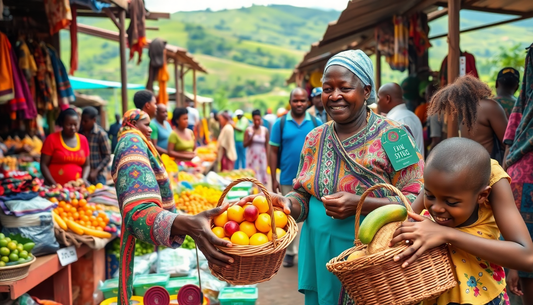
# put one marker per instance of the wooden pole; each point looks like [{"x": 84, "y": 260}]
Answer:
[
  {"x": 194, "y": 89},
  {"x": 378, "y": 69},
  {"x": 123, "y": 70},
  {"x": 454, "y": 6},
  {"x": 182, "y": 85},
  {"x": 177, "y": 84}
]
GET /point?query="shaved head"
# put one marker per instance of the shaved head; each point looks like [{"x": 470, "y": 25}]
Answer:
[
  {"x": 297, "y": 90},
  {"x": 389, "y": 96},
  {"x": 161, "y": 114},
  {"x": 458, "y": 155}
]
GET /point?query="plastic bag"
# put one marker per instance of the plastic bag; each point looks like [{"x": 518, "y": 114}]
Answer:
[
  {"x": 37, "y": 227},
  {"x": 142, "y": 264},
  {"x": 176, "y": 262}
]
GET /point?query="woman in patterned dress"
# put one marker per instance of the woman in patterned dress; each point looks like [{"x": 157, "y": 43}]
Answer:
[
  {"x": 147, "y": 205},
  {"x": 519, "y": 164},
  {"x": 339, "y": 161},
  {"x": 255, "y": 138}
]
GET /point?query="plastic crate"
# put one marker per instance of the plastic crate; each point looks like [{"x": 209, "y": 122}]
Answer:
[
  {"x": 238, "y": 296},
  {"x": 142, "y": 283},
  {"x": 110, "y": 288},
  {"x": 175, "y": 283}
]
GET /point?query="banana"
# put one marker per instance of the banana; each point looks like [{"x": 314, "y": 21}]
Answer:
[{"x": 378, "y": 218}]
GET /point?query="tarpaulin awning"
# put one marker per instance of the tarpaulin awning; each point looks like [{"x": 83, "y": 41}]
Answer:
[{"x": 79, "y": 83}]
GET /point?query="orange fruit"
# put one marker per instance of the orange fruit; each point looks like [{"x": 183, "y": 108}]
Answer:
[
  {"x": 74, "y": 202},
  {"x": 67, "y": 207},
  {"x": 61, "y": 204},
  {"x": 280, "y": 218},
  {"x": 261, "y": 204},
  {"x": 279, "y": 231},
  {"x": 59, "y": 211},
  {"x": 81, "y": 222},
  {"x": 76, "y": 215},
  {"x": 219, "y": 232},
  {"x": 258, "y": 239},
  {"x": 82, "y": 202},
  {"x": 226, "y": 238},
  {"x": 236, "y": 213},
  {"x": 263, "y": 223},
  {"x": 73, "y": 210},
  {"x": 248, "y": 228},
  {"x": 53, "y": 199},
  {"x": 99, "y": 228},
  {"x": 221, "y": 219},
  {"x": 240, "y": 238},
  {"x": 64, "y": 215}
]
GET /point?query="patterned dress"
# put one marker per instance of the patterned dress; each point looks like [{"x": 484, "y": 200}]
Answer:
[
  {"x": 519, "y": 136},
  {"x": 328, "y": 166},
  {"x": 256, "y": 156},
  {"x": 145, "y": 200}
]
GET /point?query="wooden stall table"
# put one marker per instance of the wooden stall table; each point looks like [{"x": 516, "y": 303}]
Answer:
[{"x": 47, "y": 279}]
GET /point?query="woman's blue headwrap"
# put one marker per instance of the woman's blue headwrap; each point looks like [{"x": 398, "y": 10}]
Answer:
[{"x": 359, "y": 64}]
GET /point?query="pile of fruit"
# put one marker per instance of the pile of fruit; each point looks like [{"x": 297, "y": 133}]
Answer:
[
  {"x": 192, "y": 203},
  {"x": 141, "y": 248},
  {"x": 184, "y": 176},
  {"x": 82, "y": 218},
  {"x": 250, "y": 225},
  {"x": 237, "y": 174},
  {"x": 377, "y": 229},
  {"x": 188, "y": 243},
  {"x": 208, "y": 193},
  {"x": 207, "y": 153},
  {"x": 8, "y": 163},
  {"x": 15, "y": 250}
]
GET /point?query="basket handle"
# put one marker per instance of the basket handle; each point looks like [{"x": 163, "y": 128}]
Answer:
[
  {"x": 265, "y": 193},
  {"x": 389, "y": 187}
]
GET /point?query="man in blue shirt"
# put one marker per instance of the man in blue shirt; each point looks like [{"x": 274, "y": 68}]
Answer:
[{"x": 290, "y": 141}]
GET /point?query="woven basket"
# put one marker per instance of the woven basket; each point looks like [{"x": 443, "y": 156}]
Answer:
[
  {"x": 15, "y": 273},
  {"x": 255, "y": 264},
  {"x": 378, "y": 279}
]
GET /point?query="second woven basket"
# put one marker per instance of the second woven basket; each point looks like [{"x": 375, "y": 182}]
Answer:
[
  {"x": 255, "y": 264},
  {"x": 376, "y": 279}
]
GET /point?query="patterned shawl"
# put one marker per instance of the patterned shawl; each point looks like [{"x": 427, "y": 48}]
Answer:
[
  {"x": 519, "y": 133},
  {"x": 328, "y": 165}
]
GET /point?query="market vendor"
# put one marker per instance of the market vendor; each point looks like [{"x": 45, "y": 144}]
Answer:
[
  {"x": 147, "y": 205},
  {"x": 339, "y": 161},
  {"x": 181, "y": 141},
  {"x": 65, "y": 154}
]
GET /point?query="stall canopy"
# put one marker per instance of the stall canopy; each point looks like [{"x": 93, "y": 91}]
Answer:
[
  {"x": 79, "y": 83},
  {"x": 356, "y": 25}
]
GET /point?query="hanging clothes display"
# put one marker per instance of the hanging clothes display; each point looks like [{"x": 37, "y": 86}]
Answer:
[
  {"x": 47, "y": 95},
  {"x": 470, "y": 68},
  {"x": 156, "y": 51},
  {"x": 137, "y": 29},
  {"x": 58, "y": 13},
  {"x": 23, "y": 103},
  {"x": 385, "y": 39},
  {"x": 64, "y": 90},
  {"x": 162, "y": 79},
  {"x": 7, "y": 87},
  {"x": 400, "y": 59},
  {"x": 418, "y": 33}
]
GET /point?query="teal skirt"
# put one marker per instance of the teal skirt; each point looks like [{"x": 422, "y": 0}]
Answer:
[{"x": 322, "y": 238}]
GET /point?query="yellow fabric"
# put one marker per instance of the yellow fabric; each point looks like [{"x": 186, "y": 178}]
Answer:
[
  {"x": 7, "y": 91},
  {"x": 479, "y": 281},
  {"x": 27, "y": 62}
]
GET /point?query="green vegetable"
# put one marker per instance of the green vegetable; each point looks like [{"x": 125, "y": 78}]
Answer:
[
  {"x": 11, "y": 245},
  {"x": 378, "y": 218},
  {"x": 13, "y": 257},
  {"x": 4, "y": 251},
  {"x": 29, "y": 246}
]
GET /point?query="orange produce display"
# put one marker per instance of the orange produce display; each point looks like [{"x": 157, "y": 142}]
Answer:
[{"x": 81, "y": 218}]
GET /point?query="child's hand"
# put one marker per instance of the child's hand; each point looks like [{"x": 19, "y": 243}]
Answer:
[
  {"x": 423, "y": 234},
  {"x": 513, "y": 283}
]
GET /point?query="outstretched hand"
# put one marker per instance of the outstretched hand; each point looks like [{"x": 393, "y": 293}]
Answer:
[
  {"x": 423, "y": 234},
  {"x": 198, "y": 227}
]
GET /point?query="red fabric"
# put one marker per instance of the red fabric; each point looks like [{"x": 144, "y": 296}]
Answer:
[
  {"x": 470, "y": 68},
  {"x": 67, "y": 163},
  {"x": 73, "y": 42},
  {"x": 226, "y": 164}
]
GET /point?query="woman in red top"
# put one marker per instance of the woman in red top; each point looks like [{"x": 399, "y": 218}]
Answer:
[{"x": 65, "y": 154}]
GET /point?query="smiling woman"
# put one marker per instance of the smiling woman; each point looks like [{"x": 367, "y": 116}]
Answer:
[{"x": 339, "y": 161}]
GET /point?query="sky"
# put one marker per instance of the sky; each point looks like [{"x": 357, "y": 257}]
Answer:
[{"x": 172, "y": 6}]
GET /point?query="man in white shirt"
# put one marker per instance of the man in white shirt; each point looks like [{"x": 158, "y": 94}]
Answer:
[
  {"x": 194, "y": 116},
  {"x": 390, "y": 102}
]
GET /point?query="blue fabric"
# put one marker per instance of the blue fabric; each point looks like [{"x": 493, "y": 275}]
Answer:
[
  {"x": 240, "y": 163},
  {"x": 94, "y": 5},
  {"x": 322, "y": 238},
  {"x": 359, "y": 64},
  {"x": 292, "y": 142},
  {"x": 101, "y": 179},
  {"x": 64, "y": 89},
  {"x": 162, "y": 133}
]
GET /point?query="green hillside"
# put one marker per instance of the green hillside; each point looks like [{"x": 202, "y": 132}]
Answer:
[{"x": 249, "y": 52}]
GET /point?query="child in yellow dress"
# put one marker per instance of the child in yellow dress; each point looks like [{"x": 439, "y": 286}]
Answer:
[{"x": 458, "y": 179}]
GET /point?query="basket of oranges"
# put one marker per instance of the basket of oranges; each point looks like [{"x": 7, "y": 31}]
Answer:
[{"x": 260, "y": 234}]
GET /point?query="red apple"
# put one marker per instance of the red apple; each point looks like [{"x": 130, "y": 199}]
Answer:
[
  {"x": 251, "y": 213},
  {"x": 231, "y": 227}
]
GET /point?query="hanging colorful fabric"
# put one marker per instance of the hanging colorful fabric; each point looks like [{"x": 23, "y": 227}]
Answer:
[
  {"x": 7, "y": 87},
  {"x": 58, "y": 13}
]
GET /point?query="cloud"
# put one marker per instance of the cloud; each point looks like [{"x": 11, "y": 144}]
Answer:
[{"x": 215, "y": 5}]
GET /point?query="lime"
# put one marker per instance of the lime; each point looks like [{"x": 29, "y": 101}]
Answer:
[
  {"x": 21, "y": 260},
  {"x": 5, "y": 259},
  {"x": 4, "y": 251},
  {"x": 15, "y": 252},
  {"x": 13, "y": 257},
  {"x": 8, "y": 239},
  {"x": 20, "y": 247},
  {"x": 2, "y": 236},
  {"x": 2, "y": 264},
  {"x": 29, "y": 246},
  {"x": 11, "y": 246},
  {"x": 23, "y": 254},
  {"x": 3, "y": 242}
]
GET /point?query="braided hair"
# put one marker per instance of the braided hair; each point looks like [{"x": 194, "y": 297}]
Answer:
[{"x": 461, "y": 98}]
